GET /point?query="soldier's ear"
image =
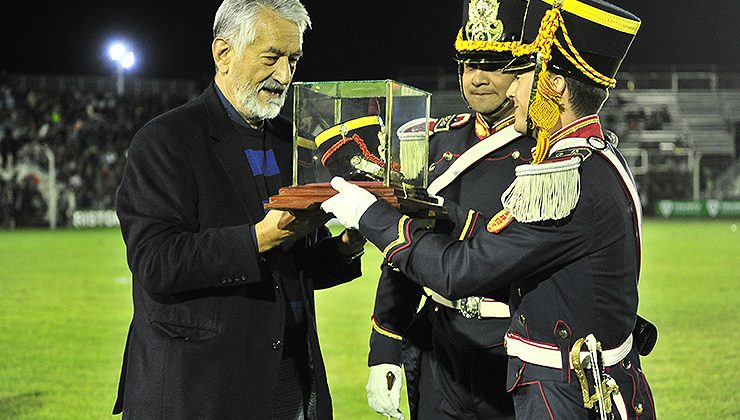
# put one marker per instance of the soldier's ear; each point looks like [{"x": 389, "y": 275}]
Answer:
[
  {"x": 223, "y": 54},
  {"x": 558, "y": 82}
]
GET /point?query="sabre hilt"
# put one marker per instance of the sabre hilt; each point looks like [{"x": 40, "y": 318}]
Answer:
[{"x": 604, "y": 386}]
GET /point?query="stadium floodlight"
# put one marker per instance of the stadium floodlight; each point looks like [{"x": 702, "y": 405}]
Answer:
[
  {"x": 128, "y": 60},
  {"x": 117, "y": 51},
  {"x": 124, "y": 59}
]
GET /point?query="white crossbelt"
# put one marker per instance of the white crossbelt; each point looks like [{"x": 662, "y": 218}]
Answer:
[
  {"x": 488, "y": 308},
  {"x": 622, "y": 171},
  {"x": 545, "y": 354},
  {"x": 477, "y": 152}
]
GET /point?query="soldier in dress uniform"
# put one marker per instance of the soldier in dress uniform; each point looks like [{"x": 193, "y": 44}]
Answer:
[
  {"x": 455, "y": 362},
  {"x": 568, "y": 238}
]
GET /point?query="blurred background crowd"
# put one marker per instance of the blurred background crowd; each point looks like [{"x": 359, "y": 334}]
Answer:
[
  {"x": 63, "y": 140},
  {"x": 85, "y": 134}
]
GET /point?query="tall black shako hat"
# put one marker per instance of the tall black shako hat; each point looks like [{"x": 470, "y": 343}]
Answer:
[
  {"x": 491, "y": 29},
  {"x": 583, "y": 39}
]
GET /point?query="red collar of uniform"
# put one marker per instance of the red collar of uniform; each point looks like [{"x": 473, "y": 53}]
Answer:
[
  {"x": 484, "y": 130},
  {"x": 582, "y": 128}
]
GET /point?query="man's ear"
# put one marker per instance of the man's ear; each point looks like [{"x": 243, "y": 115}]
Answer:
[
  {"x": 222, "y": 54},
  {"x": 558, "y": 82}
]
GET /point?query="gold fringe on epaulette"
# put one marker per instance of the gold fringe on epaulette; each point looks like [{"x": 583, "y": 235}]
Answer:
[{"x": 548, "y": 191}]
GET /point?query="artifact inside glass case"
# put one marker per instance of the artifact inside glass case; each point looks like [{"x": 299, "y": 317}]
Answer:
[{"x": 373, "y": 133}]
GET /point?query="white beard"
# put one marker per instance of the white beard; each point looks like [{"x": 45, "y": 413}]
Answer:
[{"x": 251, "y": 107}]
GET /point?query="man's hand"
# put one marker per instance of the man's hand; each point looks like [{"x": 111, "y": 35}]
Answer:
[
  {"x": 384, "y": 389},
  {"x": 350, "y": 204},
  {"x": 351, "y": 242},
  {"x": 278, "y": 226}
]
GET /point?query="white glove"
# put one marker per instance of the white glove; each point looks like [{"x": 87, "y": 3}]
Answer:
[
  {"x": 350, "y": 204},
  {"x": 381, "y": 399}
]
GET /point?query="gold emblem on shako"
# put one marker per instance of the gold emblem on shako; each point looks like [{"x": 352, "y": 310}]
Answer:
[{"x": 483, "y": 23}]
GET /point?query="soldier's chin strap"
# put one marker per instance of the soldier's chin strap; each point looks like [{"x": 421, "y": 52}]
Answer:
[
  {"x": 506, "y": 105},
  {"x": 531, "y": 128}
]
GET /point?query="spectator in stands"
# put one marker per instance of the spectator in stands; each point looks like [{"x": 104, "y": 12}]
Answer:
[
  {"x": 6, "y": 203},
  {"x": 654, "y": 121},
  {"x": 665, "y": 116},
  {"x": 657, "y": 118},
  {"x": 224, "y": 322},
  {"x": 8, "y": 148},
  {"x": 636, "y": 119},
  {"x": 30, "y": 206}
]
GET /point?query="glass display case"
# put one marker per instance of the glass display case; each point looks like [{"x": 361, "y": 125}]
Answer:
[{"x": 373, "y": 133}]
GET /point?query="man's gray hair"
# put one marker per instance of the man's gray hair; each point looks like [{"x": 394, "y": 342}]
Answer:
[{"x": 236, "y": 20}]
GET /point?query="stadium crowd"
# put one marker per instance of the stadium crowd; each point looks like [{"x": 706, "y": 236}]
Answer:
[{"x": 86, "y": 133}]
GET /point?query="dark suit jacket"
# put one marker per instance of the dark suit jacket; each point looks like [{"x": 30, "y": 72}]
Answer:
[{"x": 209, "y": 311}]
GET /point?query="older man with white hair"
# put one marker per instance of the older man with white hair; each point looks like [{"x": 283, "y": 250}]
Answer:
[{"x": 223, "y": 292}]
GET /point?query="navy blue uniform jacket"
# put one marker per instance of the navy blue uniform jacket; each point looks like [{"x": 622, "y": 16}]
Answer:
[
  {"x": 479, "y": 187},
  {"x": 569, "y": 277}
]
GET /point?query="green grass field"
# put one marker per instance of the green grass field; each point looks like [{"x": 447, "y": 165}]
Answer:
[{"x": 65, "y": 306}]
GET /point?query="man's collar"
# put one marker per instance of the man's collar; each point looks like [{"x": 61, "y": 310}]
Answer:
[
  {"x": 585, "y": 127},
  {"x": 483, "y": 129},
  {"x": 233, "y": 114}
]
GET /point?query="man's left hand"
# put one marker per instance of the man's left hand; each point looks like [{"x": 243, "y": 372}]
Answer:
[
  {"x": 279, "y": 226},
  {"x": 350, "y": 204},
  {"x": 351, "y": 242}
]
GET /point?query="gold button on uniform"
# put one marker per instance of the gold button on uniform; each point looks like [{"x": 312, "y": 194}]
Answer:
[
  {"x": 447, "y": 156},
  {"x": 638, "y": 409},
  {"x": 563, "y": 333},
  {"x": 515, "y": 154}
]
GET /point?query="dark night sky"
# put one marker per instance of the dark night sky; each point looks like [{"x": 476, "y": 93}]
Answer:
[{"x": 349, "y": 39}]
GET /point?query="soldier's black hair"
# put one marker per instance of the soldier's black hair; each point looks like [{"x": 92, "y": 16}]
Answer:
[{"x": 585, "y": 98}]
